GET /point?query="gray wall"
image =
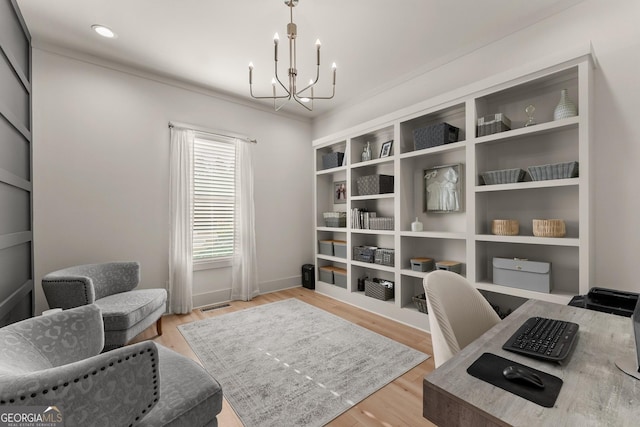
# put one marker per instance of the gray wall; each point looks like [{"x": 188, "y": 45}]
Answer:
[
  {"x": 16, "y": 237},
  {"x": 101, "y": 173}
]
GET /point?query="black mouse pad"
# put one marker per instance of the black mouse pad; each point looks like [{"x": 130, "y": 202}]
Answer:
[{"x": 489, "y": 368}]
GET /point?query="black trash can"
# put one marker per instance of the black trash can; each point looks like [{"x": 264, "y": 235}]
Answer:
[{"x": 308, "y": 276}]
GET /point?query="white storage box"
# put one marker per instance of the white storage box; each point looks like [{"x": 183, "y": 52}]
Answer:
[{"x": 522, "y": 274}]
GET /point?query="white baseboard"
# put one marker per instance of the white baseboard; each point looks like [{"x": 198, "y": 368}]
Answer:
[{"x": 222, "y": 296}]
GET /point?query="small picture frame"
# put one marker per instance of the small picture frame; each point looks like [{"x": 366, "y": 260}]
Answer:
[
  {"x": 385, "y": 150},
  {"x": 340, "y": 192},
  {"x": 443, "y": 189}
]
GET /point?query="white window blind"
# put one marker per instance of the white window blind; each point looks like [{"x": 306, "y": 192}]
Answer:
[{"x": 213, "y": 198}]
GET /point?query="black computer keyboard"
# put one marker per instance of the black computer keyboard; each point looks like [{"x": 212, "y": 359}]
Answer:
[{"x": 544, "y": 338}]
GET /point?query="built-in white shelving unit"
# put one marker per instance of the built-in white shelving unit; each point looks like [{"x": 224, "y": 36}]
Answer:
[{"x": 465, "y": 236}]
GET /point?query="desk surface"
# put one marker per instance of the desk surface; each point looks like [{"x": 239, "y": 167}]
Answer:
[{"x": 595, "y": 391}]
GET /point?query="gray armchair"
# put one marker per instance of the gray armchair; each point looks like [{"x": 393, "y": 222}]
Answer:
[
  {"x": 111, "y": 286},
  {"x": 55, "y": 360}
]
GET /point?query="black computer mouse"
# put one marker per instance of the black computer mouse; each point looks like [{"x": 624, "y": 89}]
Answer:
[{"x": 523, "y": 375}]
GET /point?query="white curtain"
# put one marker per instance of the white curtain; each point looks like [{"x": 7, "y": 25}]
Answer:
[
  {"x": 181, "y": 199},
  {"x": 245, "y": 265}
]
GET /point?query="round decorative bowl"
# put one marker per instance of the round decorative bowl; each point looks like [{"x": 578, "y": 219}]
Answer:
[
  {"x": 505, "y": 227},
  {"x": 549, "y": 228}
]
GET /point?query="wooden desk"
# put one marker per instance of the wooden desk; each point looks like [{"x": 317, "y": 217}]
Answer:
[{"x": 595, "y": 392}]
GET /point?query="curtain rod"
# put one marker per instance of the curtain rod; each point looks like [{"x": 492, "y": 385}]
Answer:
[{"x": 212, "y": 131}]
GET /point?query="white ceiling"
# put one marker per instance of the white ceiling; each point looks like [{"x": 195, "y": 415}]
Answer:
[{"x": 376, "y": 43}]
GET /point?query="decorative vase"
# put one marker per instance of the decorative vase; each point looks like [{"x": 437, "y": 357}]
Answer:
[
  {"x": 565, "y": 108},
  {"x": 530, "y": 110},
  {"x": 416, "y": 225},
  {"x": 366, "y": 153}
]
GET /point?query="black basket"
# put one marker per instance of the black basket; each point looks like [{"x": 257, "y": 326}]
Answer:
[
  {"x": 332, "y": 160},
  {"x": 377, "y": 290},
  {"x": 434, "y": 135},
  {"x": 374, "y": 184},
  {"x": 364, "y": 253},
  {"x": 421, "y": 303}
]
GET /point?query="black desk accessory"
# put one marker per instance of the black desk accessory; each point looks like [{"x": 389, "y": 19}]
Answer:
[
  {"x": 628, "y": 365},
  {"x": 544, "y": 338},
  {"x": 490, "y": 367},
  {"x": 607, "y": 301}
]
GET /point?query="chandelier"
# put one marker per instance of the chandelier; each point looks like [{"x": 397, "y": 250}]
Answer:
[{"x": 302, "y": 96}]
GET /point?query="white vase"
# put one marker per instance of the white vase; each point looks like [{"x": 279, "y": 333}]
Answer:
[
  {"x": 565, "y": 108},
  {"x": 416, "y": 225}
]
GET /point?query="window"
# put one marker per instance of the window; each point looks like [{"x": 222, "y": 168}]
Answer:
[{"x": 213, "y": 200}]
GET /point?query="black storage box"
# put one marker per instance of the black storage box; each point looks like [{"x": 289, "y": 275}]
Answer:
[
  {"x": 308, "y": 276},
  {"x": 374, "y": 184},
  {"x": 608, "y": 301},
  {"x": 332, "y": 160},
  {"x": 434, "y": 135}
]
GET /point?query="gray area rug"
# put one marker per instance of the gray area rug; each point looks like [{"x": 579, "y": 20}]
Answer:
[{"x": 289, "y": 363}]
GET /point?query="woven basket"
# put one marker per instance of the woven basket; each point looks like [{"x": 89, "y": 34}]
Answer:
[
  {"x": 504, "y": 176},
  {"x": 385, "y": 257},
  {"x": 549, "y": 228},
  {"x": 554, "y": 171},
  {"x": 377, "y": 290},
  {"x": 505, "y": 227},
  {"x": 421, "y": 303}
]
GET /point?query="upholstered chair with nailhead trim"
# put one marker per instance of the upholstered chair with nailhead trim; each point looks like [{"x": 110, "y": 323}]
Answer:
[
  {"x": 111, "y": 286},
  {"x": 56, "y": 361}
]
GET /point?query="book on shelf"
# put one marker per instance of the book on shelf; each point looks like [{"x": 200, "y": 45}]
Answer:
[{"x": 362, "y": 219}]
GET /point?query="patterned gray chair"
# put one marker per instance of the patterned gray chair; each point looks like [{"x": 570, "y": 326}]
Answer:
[
  {"x": 55, "y": 360},
  {"x": 126, "y": 311}
]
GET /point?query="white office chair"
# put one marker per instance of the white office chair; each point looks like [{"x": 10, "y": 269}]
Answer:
[{"x": 458, "y": 313}]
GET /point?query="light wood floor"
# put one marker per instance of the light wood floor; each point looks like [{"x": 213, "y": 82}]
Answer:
[{"x": 397, "y": 404}]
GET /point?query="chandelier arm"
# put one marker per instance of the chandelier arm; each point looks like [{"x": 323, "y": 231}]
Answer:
[
  {"x": 333, "y": 93},
  {"x": 299, "y": 93},
  {"x": 281, "y": 105},
  {"x": 301, "y": 103},
  {"x": 266, "y": 97}
]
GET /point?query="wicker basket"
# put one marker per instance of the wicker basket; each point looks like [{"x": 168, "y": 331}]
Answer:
[
  {"x": 549, "y": 228},
  {"x": 377, "y": 290},
  {"x": 385, "y": 257},
  {"x": 421, "y": 303},
  {"x": 505, "y": 227},
  {"x": 554, "y": 171},
  {"x": 504, "y": 176},
  {"x": 335, "y": 219},
  {"x": 364, "y": 253}
]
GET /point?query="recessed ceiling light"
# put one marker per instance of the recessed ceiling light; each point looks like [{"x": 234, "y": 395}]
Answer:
[{"x": 104, "y": 31}]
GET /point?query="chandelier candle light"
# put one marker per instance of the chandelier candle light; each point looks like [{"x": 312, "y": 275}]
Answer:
[{"x": 301, "y": 96}]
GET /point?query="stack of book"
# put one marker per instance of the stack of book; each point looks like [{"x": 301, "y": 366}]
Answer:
[{"x": 362, "y": 219}]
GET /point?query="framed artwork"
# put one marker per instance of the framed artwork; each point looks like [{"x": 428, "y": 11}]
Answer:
[
  {"x": 443, "y": 189},
  {"x": 385, "y": 151},
  {"x": 340, "y": 192}
]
